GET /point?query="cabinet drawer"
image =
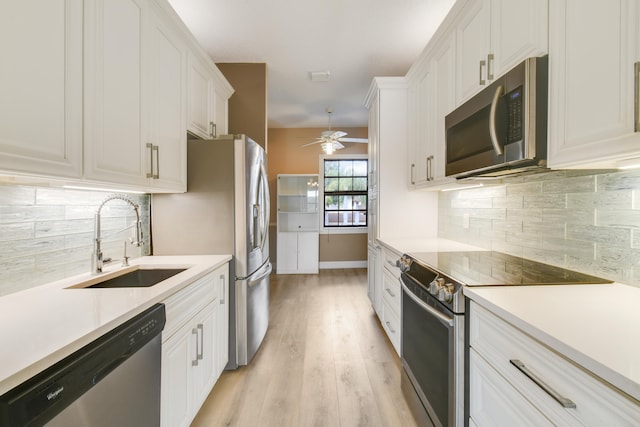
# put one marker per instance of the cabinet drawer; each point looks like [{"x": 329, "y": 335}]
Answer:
[
  {"x": 494, "y": 402},
  {"x": 391, "y": 325},
  {"x": 391, "y": 291},
  {"x": 389, "y": 259},
  {"x": 184, "y": 304},
  {"x": 596, "y": 402}
]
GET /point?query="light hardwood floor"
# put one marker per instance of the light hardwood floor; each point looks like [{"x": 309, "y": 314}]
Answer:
[{"x": 325, "y": 361}]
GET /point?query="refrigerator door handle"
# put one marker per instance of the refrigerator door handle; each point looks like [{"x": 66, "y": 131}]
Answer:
[{"x": 254, "y": 281}]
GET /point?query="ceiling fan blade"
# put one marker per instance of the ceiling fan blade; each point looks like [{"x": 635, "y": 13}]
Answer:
[
  {"x": 361, "y": 140},
  {"x": 337, "y": 134},
  {"x": 337, "y": 145},
  {"x": 319, "y": 141}
]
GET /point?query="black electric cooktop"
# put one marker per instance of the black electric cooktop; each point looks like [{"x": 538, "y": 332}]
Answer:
[{"x": 489, "y": 268}]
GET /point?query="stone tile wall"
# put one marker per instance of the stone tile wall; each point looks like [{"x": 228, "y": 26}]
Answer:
[
  {"x": 582, "y": 220},
  {"x": 47, "y": 233}
]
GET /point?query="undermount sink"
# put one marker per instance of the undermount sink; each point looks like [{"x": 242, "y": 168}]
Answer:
[{"x": 138, "y": 278}]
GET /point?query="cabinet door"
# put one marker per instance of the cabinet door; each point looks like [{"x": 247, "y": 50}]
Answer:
[
  {"x": 308, "y": 252},
  {"x": 167, "y": 106},
  {"x": 220, "y": 112},
  {"x": 287, "y": 252},
  {"x": 41, "y": 79},
  {"x": 222, "y": 335},
  {"x": 177, "y": 356},
  {"x": 443, "y": 66},
  {"x": 473, "y": 37},
  {"x": 494, "y": 402},
  {"x": 114, "y": 133},
  {"x": 200, "y": 84},
  {"x": 519, "y": 30},
  {"x": 424, "y": 124},
  {"x": 594, "y": 46},
  {"x": 371, "y": 278},
  {"x": 205, "y": 341}
]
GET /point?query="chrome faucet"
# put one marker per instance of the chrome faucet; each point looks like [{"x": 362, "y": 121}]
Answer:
[{"x": 96, "y": 258}]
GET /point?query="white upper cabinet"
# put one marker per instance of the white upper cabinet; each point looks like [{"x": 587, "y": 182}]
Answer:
[
  {"x": 114, "y": 69},
  {"x": 593, "y": 49},
  {"x": 135, "y": 96},
  {"x": 208, "y": 99},
  {"x": 495, "y": 35},
  {"x": 41, "y": 75},
  {"x": 434, "y": 91},
  {"x": 167, "y": 95}
]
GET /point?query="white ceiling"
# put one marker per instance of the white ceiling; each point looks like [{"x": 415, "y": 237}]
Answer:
[{"x": 355, "y": 40}]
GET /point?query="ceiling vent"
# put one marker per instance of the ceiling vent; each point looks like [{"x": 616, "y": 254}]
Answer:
[{"x": 319, "y": 76}]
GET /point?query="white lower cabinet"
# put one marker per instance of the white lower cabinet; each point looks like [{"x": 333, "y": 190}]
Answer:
[
  {"x": 391, "y": 295},
  {"x": 193, "y": 341},
  {"x": 298, "y": 252},
  {"x": 544, "y": 387}
]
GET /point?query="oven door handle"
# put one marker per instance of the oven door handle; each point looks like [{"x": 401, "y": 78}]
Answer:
[{"x": 445, "y": 320}]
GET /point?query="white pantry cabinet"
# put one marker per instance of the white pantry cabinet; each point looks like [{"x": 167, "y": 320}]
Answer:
[
  {"x": 191, "y": 354},
  {"x": 593, "y": 83},
  {"x": 135, "y": 96},
  {"x": 515, "y": 380},
  {"x": 208, "y": 98},
  {"x": 493, "y": 36},
  {"x": 41, "y": 76}
]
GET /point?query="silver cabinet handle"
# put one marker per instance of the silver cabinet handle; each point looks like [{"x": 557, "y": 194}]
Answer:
[
  {"x": 492, "y": 120},
  {"x": 201, "y": 329},
  {"x": 481, "y": 81},
  {"x": 223, "y": 279},
  {"x": 157, "y": 174},
  {"x": 637, "y": 96},
  {"x": 194, "y": 362},
  {"x": 428, "y": 167},
  {"x": 212, "y": 130},
  {"x": 390, "y": 293},
  {"x": 150, "y": 147},
  {"x": 413, "y": 166},
  {"x": 489, "y": 72},
  {"x": 393, "y": 331},
  {"x": 153, "y": 148},
  {"x": 566, "y": 403}
]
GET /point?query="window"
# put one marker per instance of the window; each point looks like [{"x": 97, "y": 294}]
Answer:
[{"x": 345, "y": 193}]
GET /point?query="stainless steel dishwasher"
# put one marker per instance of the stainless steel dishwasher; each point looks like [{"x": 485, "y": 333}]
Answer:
[{"x": 113, "y": 381}]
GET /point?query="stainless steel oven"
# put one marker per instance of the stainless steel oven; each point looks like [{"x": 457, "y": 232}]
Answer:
[{"x": 432, "y": 346}]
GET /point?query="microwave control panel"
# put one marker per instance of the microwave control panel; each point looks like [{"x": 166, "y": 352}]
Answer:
[{"x": 515, "y": 114}]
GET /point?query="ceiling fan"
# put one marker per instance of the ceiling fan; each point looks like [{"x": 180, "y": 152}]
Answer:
[{"x": 331, "y": 140}]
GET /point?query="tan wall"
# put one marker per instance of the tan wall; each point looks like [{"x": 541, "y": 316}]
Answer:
[
  {"x": 248, "y": 104},
  {"x": 287, "y": 155}
]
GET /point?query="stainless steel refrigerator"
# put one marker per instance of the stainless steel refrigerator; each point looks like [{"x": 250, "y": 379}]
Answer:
[{"x": 224, "y": 211}]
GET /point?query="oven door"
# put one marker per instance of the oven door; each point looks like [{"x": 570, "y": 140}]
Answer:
[{"x": 433, "y": 354}]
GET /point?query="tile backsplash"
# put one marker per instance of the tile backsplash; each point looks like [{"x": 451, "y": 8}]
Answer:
[
  {"x": 47, "y": 233},
  {"x": 581, "y": 220}
]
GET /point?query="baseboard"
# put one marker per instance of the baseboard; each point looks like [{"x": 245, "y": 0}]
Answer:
[{"x": 326, "y": 265}]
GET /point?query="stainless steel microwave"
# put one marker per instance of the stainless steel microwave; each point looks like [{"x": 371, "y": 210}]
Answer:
[{"x": 503, "y": 129}]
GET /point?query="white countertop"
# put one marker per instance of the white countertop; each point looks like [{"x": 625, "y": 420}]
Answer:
[
  {"x": 42, "y": 325},
  {"x": 596, "y": 326},
  {"x": 408, "y": 245}
]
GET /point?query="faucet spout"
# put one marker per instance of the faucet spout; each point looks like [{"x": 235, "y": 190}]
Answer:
[{"x": 96, "y": 258}]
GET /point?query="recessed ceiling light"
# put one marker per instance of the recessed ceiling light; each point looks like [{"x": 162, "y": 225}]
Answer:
[{"x": 319, "y": 76}]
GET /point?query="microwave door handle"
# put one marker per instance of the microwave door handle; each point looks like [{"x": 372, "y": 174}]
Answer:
[{"x": 492, "y": 120}]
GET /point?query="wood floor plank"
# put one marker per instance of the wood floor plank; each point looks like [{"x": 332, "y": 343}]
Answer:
[{"x": 325, "y": 361}]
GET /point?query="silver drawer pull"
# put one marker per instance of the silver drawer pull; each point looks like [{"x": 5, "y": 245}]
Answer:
[
  {"x": 194, "y": 362},
  {"x": 390, "y": 328},
  {"x": 566, "y": 403},
  {"x": 390, "y": 293}
]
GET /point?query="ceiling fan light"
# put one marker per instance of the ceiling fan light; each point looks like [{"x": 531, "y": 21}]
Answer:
[{"x": 328, "y": 148}]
